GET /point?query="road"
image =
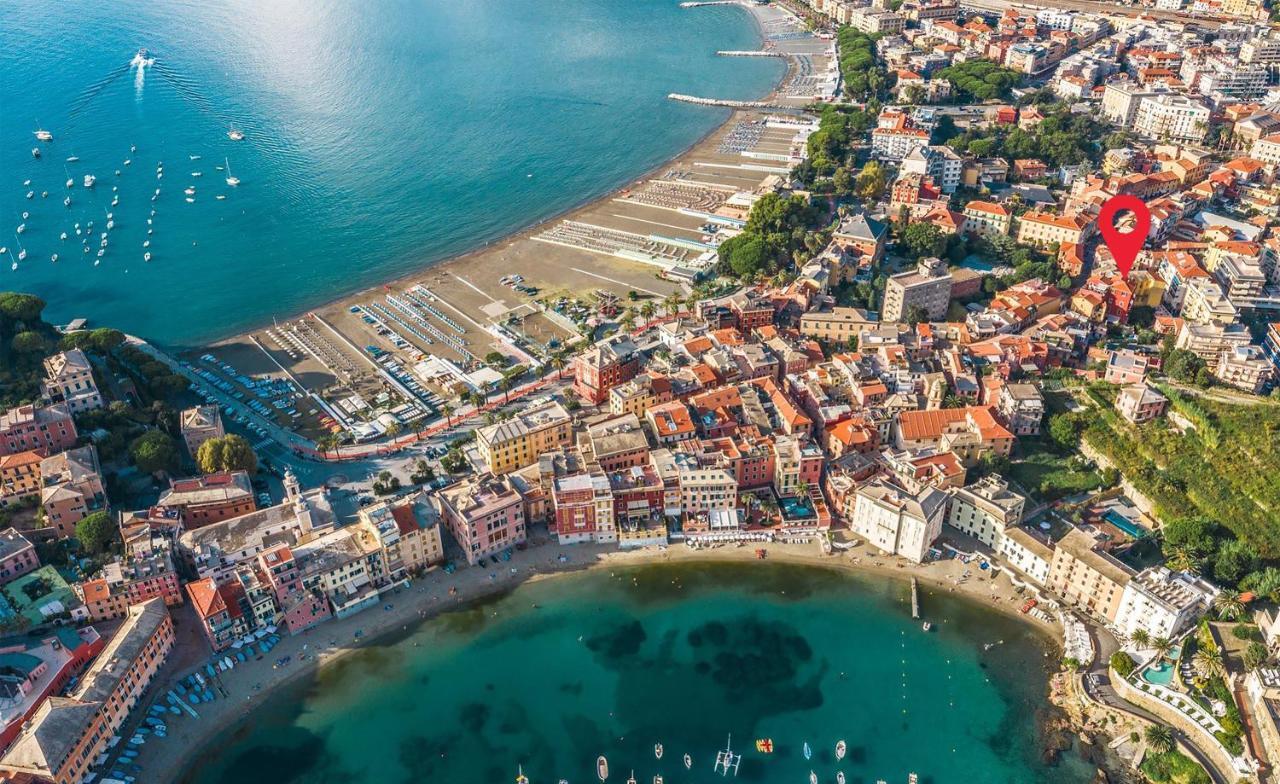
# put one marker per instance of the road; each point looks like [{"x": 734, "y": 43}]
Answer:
[{"x": 1090, "y": 6}]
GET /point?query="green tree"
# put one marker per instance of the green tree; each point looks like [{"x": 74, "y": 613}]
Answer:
[
  {"x": 153, "y": 452},
  {"x": 1122, "y": 663},
  {"x": 1208, "y": 664},
  {"x": 1227, "y": 605},
  {"x": 1140, "y": 638},
  {"x": 872, "y": 182},
  {"x": 226, "y": 453},
  {"x": 1064, "y": 430},
  {"x": 1255, "y": 655},
  {"x": 1159, "y": 738},
  {"x": 922, "y": 240},
  {"x": 96, "y": 532},
  {"x": 916, "y": 314},
  {"x": 20, "y": 308}
]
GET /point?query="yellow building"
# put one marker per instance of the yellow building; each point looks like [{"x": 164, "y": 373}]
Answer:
[
  {"x": 836, "y": 324},
  {"x": 986, "y": 218},
  {"x": 1148, "y": 290},
  {"x": 517, "y": 442},
  {"x": 1087, "y": 578},
  {"x": 1044, "y": 229}
]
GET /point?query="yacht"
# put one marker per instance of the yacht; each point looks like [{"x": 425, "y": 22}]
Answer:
[
  {"x": 235, "y": 135},
  {"x": 232, "y": 180},
  {"x": 190, "y": 191},
  {"x": 89, "y": 180},
  {"x": 44, "y": 135},
  {"x": 602, "y": 767}
]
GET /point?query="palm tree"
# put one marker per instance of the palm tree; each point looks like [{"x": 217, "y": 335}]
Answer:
[
  {"x": 506, "y": 384},
  {"x": 1208, "y": 664},
  {"x": 447, "y": 410},
  {"x": 672, "y": 303},
  {"x": 1140, "y": 638},
  {"x": 558, "y": 363},
  {"x": 1184, "y": 559},
  {"x": 647, "y": 310},
  {"x": 1159, "y": 738},
  {"x": 1162, "y": 646},
  {"x": 1228, "y": 605}
]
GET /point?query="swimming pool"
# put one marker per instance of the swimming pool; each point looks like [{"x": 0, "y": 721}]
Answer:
[
  {"x": 795, "y": 508},
  {"x": 1160, "y": 674},
  {"x": 1124, "y": 524}
]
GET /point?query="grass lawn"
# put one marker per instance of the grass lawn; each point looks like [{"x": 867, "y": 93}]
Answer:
[{"x": 1045, "y": 473}]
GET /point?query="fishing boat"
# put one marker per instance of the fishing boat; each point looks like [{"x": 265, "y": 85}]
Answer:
[
  {"x": 235, "y": 135},
  {"x": 632, "y": 778},
  {"x": 808, "y": 752},
  {"x": 89, "y": 180},
  {"x": 520, "y": 777},
  {"x": 841, "y": 748},
  {"x": 232, "y": 180},
  {"x": 602, "y": 767},
  {"x": 43, "y": 135},
  {"x": 688, "y": 762},
  {"x": 813, "y": 778},
  {"x": 657, "y": 750}
]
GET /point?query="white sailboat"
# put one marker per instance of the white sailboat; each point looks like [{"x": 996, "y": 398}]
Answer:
[
  {"x": 726, "y": 760},
  {"x": 232, "y": 180}
]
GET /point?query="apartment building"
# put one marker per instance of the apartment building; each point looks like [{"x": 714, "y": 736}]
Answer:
[
  {"x": 47, "y": 429},
  {"x": 1139, "y": 403},
  {"x": 68, "y": 378},
  {"x": 608, "y": 363},
  {"x": 584, "y": 509},
  {"x": 896, "y": 521},
  {"x": 1088, "y": 578},
  {"x": 200, "y": 424},
  {"x": 836, "y": 325},
  {"x": 19, "y": 476},
  {"x": 1021, "y": 407},
  {"x": 66, "y": 734},
  {"x": 985, "y": 509},
  {"x": 17, "y": 555},
  {"x": 1044, "y": 229},
  {"x": 1163, "y": 603},
  {"x": 970, "y": 432},
  {"x": 208, "y": 499},
  {"x": 517, "y": 442},
  {"x": 71, "y": 488},
  {"x": 927, "y": 287},
  {"x": 987, "y": 219},
  {"x": 1170, "y": 116},
  {"x": 485, "y": 514}
]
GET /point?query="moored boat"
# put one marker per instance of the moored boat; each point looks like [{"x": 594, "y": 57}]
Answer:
[
  {"x": 602, "y": 767},
  {"x": 841, "y": 748},
  {"x": 657, "y": 750},
  {"x": 520, "y": 777},
  {"x": 688, "y": 762}
]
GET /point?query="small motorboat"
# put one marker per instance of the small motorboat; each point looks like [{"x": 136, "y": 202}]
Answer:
[
  {"x": 688, "y": 762},
  {"x": 71, "y": 183},
  {"x": 657, "y": 778},
  {"x": 26, "y": 215},
  {"x": 602, "y": 767},
  {"x": 813, "y": 778},
  {"x": 64, "y": 236},
  {"x": 66, "y": 202},
  {"x": 632, "y": 778},
  {"x": 840, "y": 777},
  {"x": 31, "y": 194},
  {"x": 128, "y": 161},
  {"x": 194, "y": 157},
  {"x": 197, "y": 174},
  {"x": 190, "y": 200},
  {"x": 190, "y": 191},
  {"x": 22, "y": 227},
  {"x": 43, "y": 135},
  {"x": 35, "y": 152},
  {"x": 89, "y": 180},
  {"x": 926, "y": 626},
  {"x": 22, "y": 254},
  {"x": 54, "y": 258},
  {"x": 520, "y": 777},
  {"x": 146, "y": 256},
  {"x": 73, "y": 158},
  {"x": 235, "y": 135},
  {"x": 808, "y": 752},
  {"x": 841, "y": 748},
  {"x": 657, "y": 750},
  {"x": 220, "y": 197}
]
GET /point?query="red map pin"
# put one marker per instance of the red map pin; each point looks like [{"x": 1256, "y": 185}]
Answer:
[{"x": 1124, "y": 247}]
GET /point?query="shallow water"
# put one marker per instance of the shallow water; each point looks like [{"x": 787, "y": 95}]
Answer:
[
  {"x": 682, "y": 655},
  {"x": 379, "y": 135}
]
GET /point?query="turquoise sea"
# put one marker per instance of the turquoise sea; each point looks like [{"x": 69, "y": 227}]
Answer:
[
  {"x": 561, "y": 671},
  {"x": 380, "y": 135}
]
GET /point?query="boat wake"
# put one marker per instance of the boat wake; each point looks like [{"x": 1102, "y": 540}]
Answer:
[{"x": 140, "y": 63}]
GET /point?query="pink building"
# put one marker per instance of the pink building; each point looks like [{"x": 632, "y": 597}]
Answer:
[
  {"x": 485, "y": 514},
  {"x": 299, "y": 608},
  {"x": 45, "y": 428},
  {"x": 584, "y": 507},
  {"x": 17, "y": 555},
  {"x": 221, "y": 609}
]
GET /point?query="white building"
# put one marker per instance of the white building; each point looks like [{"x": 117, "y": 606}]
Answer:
[
  {"x": 1171, "y": 116},
  {"x": 898, "y": 522},
  {"x": 985, "y": 509},
  {"x": 1162, "y": 602}
]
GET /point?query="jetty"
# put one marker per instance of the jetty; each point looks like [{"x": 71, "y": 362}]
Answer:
[
  {"x": 751, "y": 53},
  {"x": 699, "y": 3},
  {"x": 915, "y": 599},
  {"x": 725, "y": 102}
]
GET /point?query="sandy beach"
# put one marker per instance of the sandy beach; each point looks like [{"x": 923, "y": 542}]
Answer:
[
  {"x": 588, "y": 249},
  {"x": 249, "y": 684}
]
